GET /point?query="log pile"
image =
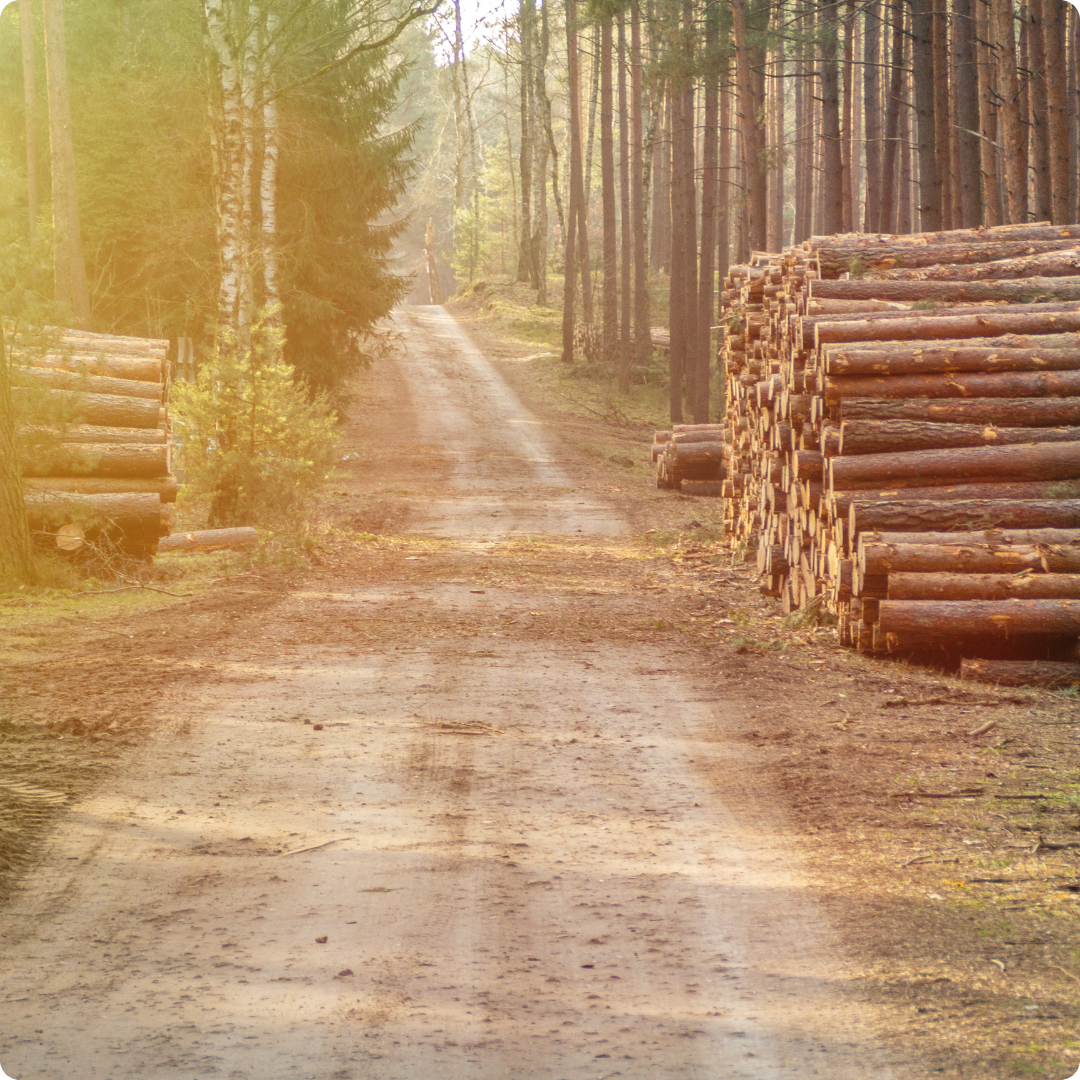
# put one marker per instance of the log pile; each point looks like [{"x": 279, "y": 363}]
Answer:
[
  {"x": 102, "y": 470},
  {"x": 902, "y": 436}
]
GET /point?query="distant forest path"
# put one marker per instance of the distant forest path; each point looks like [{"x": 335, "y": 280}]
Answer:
[{"x": 438, "y": 809}]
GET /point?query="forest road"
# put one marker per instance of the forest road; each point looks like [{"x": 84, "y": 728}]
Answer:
[{"x": 505, "y": 853}]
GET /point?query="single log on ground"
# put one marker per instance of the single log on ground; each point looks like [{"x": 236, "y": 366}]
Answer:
[
  {"x": 165, "y": 486},
  {"x": 837, "y": 259},
  {"x": 94, "y": 459},
  {"x": 208, "y": 540},
  {"x": 967, "y": 557},
  {"x": 937, "y": 358},
  {"x": 1025, "y": 291},
  {"x": 1026, "y": 461},
  {"x": 130, "y": 512},
  {"x": 919, "y": 515},
  {"x": 979, "y": 618},
  {"x": 96, "y": 433},
  {"x": 141, "y": 368},
  {"x": 1020, "y": 489},
  {"x": 1014, "y": 412},
  {"x": 890, "y": 436},
  {"x": 883, "y": 327},
  {"x": 1048, "y": 673},
  {"x": 87, "y": 384},
  {"x": 1007, "y": 384},
  {"x": 949, "y": 586},
  {"x": 1042, "y": 264}
]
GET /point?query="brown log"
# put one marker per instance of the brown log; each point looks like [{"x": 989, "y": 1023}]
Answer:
[
  {"x": 111, "y": 343},
  {"x": 850, "y": 307},
  {"x": 140, "y": 368},
  {"x": 979, "y": 618},
  {"x": 87, "y": 384},
  {"x": 912, "y": 327},
  {"x": 888, "y": 436},
  {"x": 940, "y": 358},
  {"x": 922, "y": 516},
  {"x": 808, "y": 464},
  {"x": 138, "y": 461},
  {"x": 995, "y": 537},
  {"x": 1027, "y": 461},
  {"x": 1053, "y": 675},
  {"x": 95, "y": 433},
  {"x": 1007, "y": 384},
  {"x": 967, "y": 558},
  {"x": 1014, "y": 412},
  {"x": 136, "y": 513},
  {"x": 208, "y": 540},
  {"x": 1044, "y": 264},
  {"x": 866, "y": 291},
  {"x": 165, "y": 486},
  {"x": 949, "y": 586},
  {"x": 841, "y": 500},
  {"x": 837, "y": 259}
]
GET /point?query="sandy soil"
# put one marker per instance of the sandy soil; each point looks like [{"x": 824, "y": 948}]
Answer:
[{"x": 563, "y": 795}]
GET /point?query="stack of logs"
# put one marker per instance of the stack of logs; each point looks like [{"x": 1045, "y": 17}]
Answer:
[
  {"x": 903, "y": 436},
  {"x": 106, "y": 476}
]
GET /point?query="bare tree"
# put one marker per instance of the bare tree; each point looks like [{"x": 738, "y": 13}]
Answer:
[{"x": 33, "y": 197}]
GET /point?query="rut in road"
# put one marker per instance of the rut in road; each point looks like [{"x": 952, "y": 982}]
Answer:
[{"x": 503, "y": 853}]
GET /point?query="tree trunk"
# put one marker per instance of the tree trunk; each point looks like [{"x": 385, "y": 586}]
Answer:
[
  {"x": 872, "y": 98},
  {"x": 33, "y": 198},
  {"x": 751, "y": 127},
  {"x": 709, "y": 185},
  {"x": 848, "y": 182},
  {"x": 526, "y": 270},
  {"x": 69, "y": 265},
  {"x": 271, "y": 255},
  {"x": 890, "y": 157},
  {"x": 576, "y": 185},
  {"x": 1057, "y": 109},
  {"x": 966, "y": 92},
  {"x": 678, "y": 352},
  {"x": 660, "y": 249},
  {"x": 939, "y": 21},
  {"x": 1040, "y": 109},
  {"x": 925, "y": 119},
  {"x": 15, "y": 560},
  {"x": 544, "y": 143},
  {"x": 1013, "y": 124},
  {"x": 642, "y": 342},
  {"x": 209, "y": 540},
  {"x": 989, "y": 99},
  {"x": 723, "y": 258},
  {"x": 904, "y": 211},
  {"x": 607, "y": 190},
  {"x": 625, "y": 230}
]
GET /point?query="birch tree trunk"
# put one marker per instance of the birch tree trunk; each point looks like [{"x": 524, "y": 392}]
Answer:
[
  {"x": 33, "y": 197},
  {"x": 69, "y": 265}
]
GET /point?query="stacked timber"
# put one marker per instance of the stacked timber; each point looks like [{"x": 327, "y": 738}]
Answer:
[
  {"x": 100, "y": 467},
  {"x": 690, "y": 452},
  {"x": 903, "y": 424}
]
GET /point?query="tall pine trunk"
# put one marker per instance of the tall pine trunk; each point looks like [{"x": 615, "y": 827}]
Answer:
[
  {"x": 966, "y": 96},
  {"x": 890, "y": 199},
  {"x": 526, "y": 270},
  {"x": 607, "y": 194},
  {"x": 625, "y": 231},
  {"x": 576, "y": 195},
  {"x": 872, "y": 82},
  {"x": 706, "y": 287},
  {"x": 1057, "y": 109},
  {"x": 33, "y": 195},
  {"x": 642, "y": 336},
  {"x": 989, "y": 96},
  {"x": 69, "y": 264},
  {"x": 750, "y": 124},
  {"x": 848, "y": 182},
  {"x": 1013, "y": 125},
  {"x": 831, "y": 151},
  {"x": 678, "y": 285},
  {"x": 15, "y": 561},
  {"x": 922, "y": 63}
]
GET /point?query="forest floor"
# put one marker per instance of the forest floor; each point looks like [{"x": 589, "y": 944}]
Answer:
[{"x": 520, "y": 777}]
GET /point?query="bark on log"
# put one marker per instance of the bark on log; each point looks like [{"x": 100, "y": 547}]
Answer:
[
  {"x": 88, "y": 384},
  {"x": 941, "y": 358},
  {"x": 996, "y": 537},
  {"x": 854, "y": 304},
  {"x": 130, "y": 512},
  {"x": 110, "y": 343},
  {"x": 1004, "y": 384},
  {"x": 841, "y": 500},
  {"x": 967, "y": 558},
  {"x": 208, "y": 540},
  {"x": 1027, "y": 461},
  {"x": 979, "y": 618},
  {"x": 1024, "y": 291},
  {"x": 837, "y": 259},
  {"x": 165, "y": 486},
  {"x": 1014, "y": 412},
  {"x": 96, "y": 433},
  {"x": 913, "y": 328},
  {"x": 949, "y": 586},
  {"x": 1050, "y": 674},
  {"x": 889, "y": 436},
  {"x": 139, "y": 368},
  {"x": 1044, "y": 264},
  {"x": 94, "y": 459},
  {"x": 915, "y": 515}
]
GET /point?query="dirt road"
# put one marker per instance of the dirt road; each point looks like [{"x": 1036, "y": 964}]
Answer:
[{"x": 441, "y": 814}]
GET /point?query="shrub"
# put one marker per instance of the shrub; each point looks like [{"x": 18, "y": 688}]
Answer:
[{"x": 256, "y": 446}]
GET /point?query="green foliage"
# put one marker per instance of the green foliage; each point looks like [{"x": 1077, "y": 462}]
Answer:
[{"x": 256, "y": 447}]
